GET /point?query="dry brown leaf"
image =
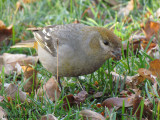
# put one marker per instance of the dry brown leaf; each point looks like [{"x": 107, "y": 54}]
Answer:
[
  {"x": 146, "y": 111},
  {"x": 129, "y": 93},
  {"x": 22, "y": 59},
  {"x": 146, "y": 74},
  {"x": 138, "y": 79},
  {"x": 117, "y": 102},
  {"x": 91, "y": 115},
  {"x": 76, "y": 21},
  {"x": 12, "y": 91},
  {"x": 151, "y": 28},
  {"x": 130, "y": 81},
  {"x": 5, "y": 33},
  {"x": 3, "y": 114},
  {"x": 144, "y": 44},
  {"x": 72, "y": 100},
  {"x": 98, "y": 94},
  {"x": 127, "y": 19},
  {"x": 147, "y": 14},
  {"x": 2, "y": 25},
  {"x": 31, "y": 43},
  {"x": 68, "y": 99},
  {"x": 30, "y": 78},
  {"x": 135, "y": 40},
  {"x": 49, "y": 90},
  {"x": 90, "y": 14},
  {"x": 48, "y": 117},
  {"x": 153, "y": 49},
  {"x": 151, "y": 74},
  {"x": 80, "y": 97},
  {"x": 18, "y": 6},
  {"x": 13, "y": 62},
  {"x": 126, "y": 10},
  {"x": 155, "y": 67},
  {"x": 112, "y": 2}
]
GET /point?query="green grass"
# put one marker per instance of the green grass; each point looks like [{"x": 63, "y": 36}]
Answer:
[{"x": 48, "y": 12}]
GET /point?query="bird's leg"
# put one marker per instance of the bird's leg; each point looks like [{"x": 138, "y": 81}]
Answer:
[{"x": 59, "y": 82}]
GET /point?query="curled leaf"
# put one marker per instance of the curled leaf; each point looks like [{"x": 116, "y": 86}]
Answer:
[
  {"x": 49, "y": 90},
  {"x": 91, "y": 115},
  {"x": 12, "y": 91},
  {"x": 48, "y": 117}
]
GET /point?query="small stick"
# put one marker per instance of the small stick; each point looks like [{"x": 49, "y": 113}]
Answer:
[
  {"x": 58, "y": 78},
  {"x": 57, "y": 58}
]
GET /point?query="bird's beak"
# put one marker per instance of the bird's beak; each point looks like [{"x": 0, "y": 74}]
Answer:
[{"x": 116, "y": 54}]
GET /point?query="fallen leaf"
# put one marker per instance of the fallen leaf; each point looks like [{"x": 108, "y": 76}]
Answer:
[
  {"x": 96, "y": 83},
  {"x": 80, "y": 97},
  {"x": 137, "y": 110},
  {"x": 117, "y": 102},
  {"x": 151, "y": 47},
  {"x": 127, "y": 19},
  {"x": 147, "y": 14},
  {"x": 3, "y": 114},
  {"x": 12, "y": 91},
  {"x": 72, "y": 100},
  {"x": 49, "y": 90},
  {"x": 98, "y": 94},
  {"x": 129, "y": 93},
  {"x": 99, "y": 105},
  {"x": 130, "y": 81},
  {"x": 155, "y": 67},
  {"x": 135, "y": 40},
  {"x": 151, "y": 28},
  {"x": 4, "y": 86},
  {"x": 13, "y": 62},
  {"x": 90, "y": 13},
  {"x": 91, "y": 115},
  {"x": 146, "y": 74},
  {"x": 5, "y": 33},
  {"x": 76, "y": 21},
  {"x": 22, "y": 59},
  {"x": 112, "y": 2},
  {"x": 130, "y": 6},
  {"x": 48, "y": 117},
  {"x": 68, "y": 101},
  {"x": 138, "y": 79},
  {"x": 18, "y": 6},
  {"x": 30, "y": 79},
  {"x": 31, "y": 43},
  {"x": 2, "y": 25}
]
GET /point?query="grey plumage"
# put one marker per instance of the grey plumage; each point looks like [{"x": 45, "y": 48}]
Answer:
[{"x": 81, "y": 48}]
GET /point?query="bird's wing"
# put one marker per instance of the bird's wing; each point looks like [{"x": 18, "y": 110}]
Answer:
[
  {"x": 49, "y": 36},
  {"x": 45, "y": 39}
]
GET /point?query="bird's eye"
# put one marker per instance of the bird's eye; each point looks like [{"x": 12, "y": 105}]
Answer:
[{"x": 106, "y": 42}]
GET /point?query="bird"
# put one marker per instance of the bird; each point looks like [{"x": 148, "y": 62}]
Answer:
[{"x": 73, "y": 50}]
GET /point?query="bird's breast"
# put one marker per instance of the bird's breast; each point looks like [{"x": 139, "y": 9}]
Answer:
[{"x": 71, "y": 62}]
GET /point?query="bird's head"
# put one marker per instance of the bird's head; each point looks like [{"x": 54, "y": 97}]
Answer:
[{"x": 106, "y": 42}]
